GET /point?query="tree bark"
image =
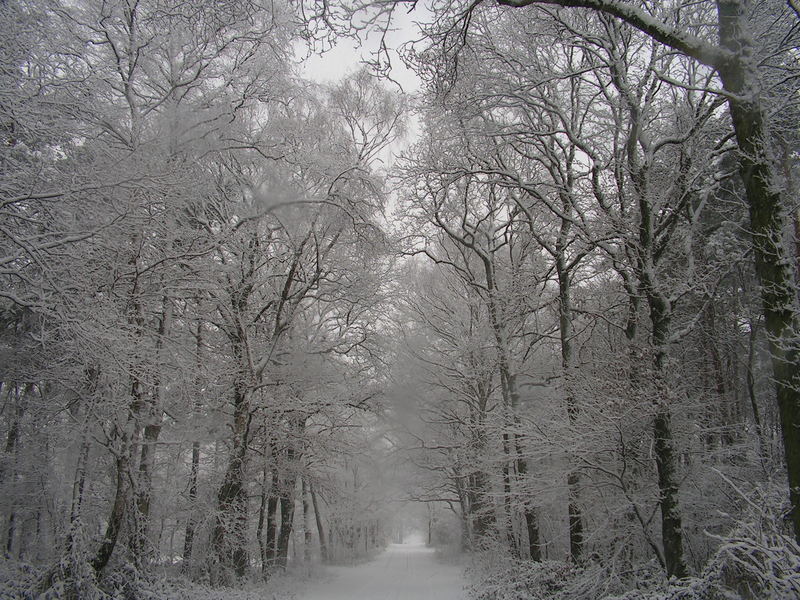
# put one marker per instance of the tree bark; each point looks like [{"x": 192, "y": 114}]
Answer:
[
  {"x": 773, "y": 260},
  {"x": 272, "y": 531},
  {"x": 152, "y": 431},
  {"x": 287, "y": 522},
  {"x": 266, "y": 490},
  {"x": 307, "y": 534},
  {"x": 79, "y": 482},
  {"x": 188, "y": 540},
  {"x": 323, "y": 546},
  {"x": 12, "y": 454},
  {"x": 117, "y": 515},
  {"x": 228, "y": 539},
  {"x": 270, "y": 540},
  {"x": 751, "y": 391},
  {"x": 510, "y": 394},
  {"x": 671, "y": 525},
  {"x": 565, "y": 338}
]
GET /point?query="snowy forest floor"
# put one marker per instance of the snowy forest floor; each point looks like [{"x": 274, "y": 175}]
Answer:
[
  {"x": 407, "y": 571},
  {"x": 403, "y": 571}
]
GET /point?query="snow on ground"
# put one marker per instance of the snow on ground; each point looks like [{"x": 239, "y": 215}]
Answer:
[{"x": 403, "y": 572}]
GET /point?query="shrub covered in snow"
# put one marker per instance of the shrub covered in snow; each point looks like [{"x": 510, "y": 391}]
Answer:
[
  {"x": 20, "y": 581},
  {"x": 495, "y": 577},
  {"x": 757, "y": 560},
  {"x": 752, "y": 563}
]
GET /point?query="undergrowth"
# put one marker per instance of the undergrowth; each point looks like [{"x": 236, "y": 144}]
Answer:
[{"x": 757, "y": 560}]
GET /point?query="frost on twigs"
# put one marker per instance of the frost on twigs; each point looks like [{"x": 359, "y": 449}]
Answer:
[
  {"x": 494, "y": 576},
  {"x": 21, "y": 581},
  {"x": 756, "y": 560},
  {"x": 73, "y": 578}
]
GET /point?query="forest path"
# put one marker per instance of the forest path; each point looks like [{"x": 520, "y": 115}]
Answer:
[{"x": 402, "y": 572}]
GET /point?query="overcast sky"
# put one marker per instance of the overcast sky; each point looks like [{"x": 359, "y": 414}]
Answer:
[{"x": 346, "y": 57}]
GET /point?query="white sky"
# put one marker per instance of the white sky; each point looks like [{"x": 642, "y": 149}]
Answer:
[{"x": 346, "y": 57}]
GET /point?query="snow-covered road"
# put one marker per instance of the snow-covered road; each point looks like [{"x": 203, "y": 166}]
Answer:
[{"x": 403, "y": 572}]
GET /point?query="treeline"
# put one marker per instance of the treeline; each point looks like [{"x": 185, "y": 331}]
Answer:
[
  {"x": 192, "y": 279},
  {"x": 602, "y": 314}
]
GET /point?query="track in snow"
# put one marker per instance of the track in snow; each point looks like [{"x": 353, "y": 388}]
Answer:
[{"x": 403, "y": 572}]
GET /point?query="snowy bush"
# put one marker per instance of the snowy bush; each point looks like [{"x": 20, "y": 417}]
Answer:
[
  {"x": 496, "y": 575},
  {"x": 20, "y": 581},
  {"x": 16, "y": 578},
  {"x": 757, "y": 560},
  {"x": 752, "y": 563}
]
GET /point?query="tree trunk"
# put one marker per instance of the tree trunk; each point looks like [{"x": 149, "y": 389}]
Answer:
[
  {"x": 270, "y": 541},
  {"x": 287, "y": 522},
  {"x": 152, "y": 431},
  {"x": 429, "y": 543},
  {"x": 565, "y": 337},
  {"x": 266, "y": 490},
  {"x": 323, "y": 546},
  {"x": 481, "y": 506},
  {"x": 228, "y": 539},
  {"x": 510, "y": 394},
  {"x": 307, "y": 533},
  {"x": 773, "y": 261},
  {"x": 117, "y": 515},
  {"x": 272, "y": 530},
  {"x": 671, "y": 530},
  {"x": 12, "y": 453},
  {"x": 128, "y": 444},
  {"x": 751, "y": 391},
  {"x": 188, "y": 540},
  {"x": 532, "y": 526},
  {"x": 671, "y": 526},
  {"x": 144, "y": 482},
  {"x": 79, "y": 482}
]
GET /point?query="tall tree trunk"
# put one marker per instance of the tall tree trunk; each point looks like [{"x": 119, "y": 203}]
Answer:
[
  {"x": 510, "y": 394},
  {"x": 79, "y": 481},
  {"x": 152, "y": 431},
  {"x": 12, "y": 455},
  {"x": 671, "y": 525},
  {"x": 287, "y": 521},
  {"x": 144, "y": 485},
  {"x": 268, "y": 483},
  {"x": 271, "y": 539},
  {"x": 228, "y": 539},
  {"x": 773, "y": 261},
  {"x": 429, "y": 543},
  {"x": 270, "y": 542},
  {"x": 565, "y": 337},
  {"x": 751, "y": 391},
  {"x": 128, "y": 442},
  {"x": 307, "y": 533},
  {"x": 117, "y": 515},
  {"x": 479, "y": 514},
  {"x": 188, "y": 540},
  {"x": 481, "y": 506},
  {"x": 323, "y": 546}
]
